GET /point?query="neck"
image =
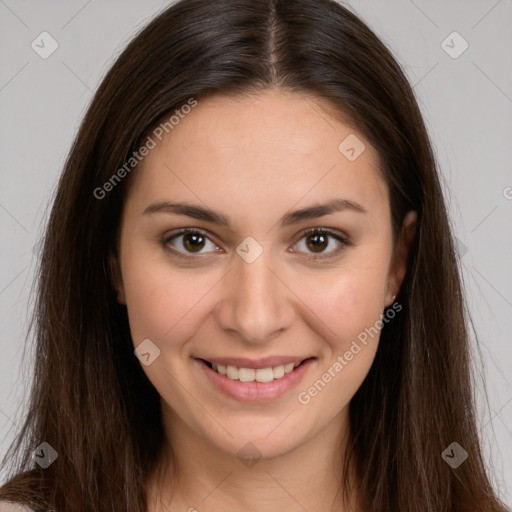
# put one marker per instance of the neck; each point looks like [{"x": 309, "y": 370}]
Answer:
[{"x": 195, "y": 475}]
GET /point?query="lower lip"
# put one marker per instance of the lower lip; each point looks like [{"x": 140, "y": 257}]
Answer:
[{"x": 256, "y": 391}]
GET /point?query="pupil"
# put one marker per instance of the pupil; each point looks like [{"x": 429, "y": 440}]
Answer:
[
  {"x": 319, "y": 243},
  {"x": 193, "y": 242}
]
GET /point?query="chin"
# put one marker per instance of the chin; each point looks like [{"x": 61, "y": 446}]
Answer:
[{"x": 260, "y": 438}]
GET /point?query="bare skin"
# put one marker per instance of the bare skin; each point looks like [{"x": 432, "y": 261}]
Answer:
[{"x": 254, "y": 160}]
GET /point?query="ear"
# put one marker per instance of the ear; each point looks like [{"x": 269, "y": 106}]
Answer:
[
  {"x": 398, "y": 267},
  {"x": 116, "y": 276}
]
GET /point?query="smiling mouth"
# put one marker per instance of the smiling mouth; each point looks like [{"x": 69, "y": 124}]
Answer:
[{"x": 241, "y": 374}]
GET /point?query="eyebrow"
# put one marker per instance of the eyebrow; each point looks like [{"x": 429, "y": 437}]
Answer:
[{"x": 208, "y": 215}]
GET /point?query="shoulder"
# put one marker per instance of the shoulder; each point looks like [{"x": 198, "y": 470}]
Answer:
[{"x": 8, "y": 506}]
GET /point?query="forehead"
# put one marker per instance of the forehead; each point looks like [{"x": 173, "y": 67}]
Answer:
[{"x": 273, "y": 148}]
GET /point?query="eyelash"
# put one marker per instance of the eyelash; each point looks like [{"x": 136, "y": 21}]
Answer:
[{"x": 345, "y": 242}]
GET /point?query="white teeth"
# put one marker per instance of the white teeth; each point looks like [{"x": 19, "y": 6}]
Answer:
[
  {"x": 252, "y": 375},
  {"x": 278, "y": 371},
  {"x": 246, "y": 374},
  {"x": 264, "y": 375},
  {"x": 232, "y": 372}
]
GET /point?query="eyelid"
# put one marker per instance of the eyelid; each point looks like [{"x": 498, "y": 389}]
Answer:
[
  {"x": 184, "y": 231},
  {"x": 342, "y": 239},
  {"x": 321, "y": 230}
]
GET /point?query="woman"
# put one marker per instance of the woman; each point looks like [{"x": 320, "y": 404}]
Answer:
[{"x": 248, "y": 295}]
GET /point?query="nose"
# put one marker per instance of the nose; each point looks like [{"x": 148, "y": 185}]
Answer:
[{"x": 257, "y": 304}]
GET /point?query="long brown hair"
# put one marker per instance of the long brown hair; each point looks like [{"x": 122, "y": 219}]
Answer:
[{"x": 90, "y": 399}]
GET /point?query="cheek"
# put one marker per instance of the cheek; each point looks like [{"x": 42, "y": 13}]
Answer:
[
  {"x": 161, "y": 306},
  {"x": 166, "y": 305},
  {"x": 347, "y": 301},
  {"x": 350, "y": 310},
  {"x": 161, "y": 302}
]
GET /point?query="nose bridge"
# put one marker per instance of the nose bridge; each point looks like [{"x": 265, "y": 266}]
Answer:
[{"x": 257, "y": 306}]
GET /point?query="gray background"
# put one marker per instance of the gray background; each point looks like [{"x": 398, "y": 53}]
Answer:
[{"x": 466, "y": 101}]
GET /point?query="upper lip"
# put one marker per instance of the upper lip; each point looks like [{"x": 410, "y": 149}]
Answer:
[{"x": 264, "y": 362}]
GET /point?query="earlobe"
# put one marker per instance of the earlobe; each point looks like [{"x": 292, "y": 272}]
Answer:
[
  {"x": 401, "y": 255},
  {"x": 117, "y": 280}
]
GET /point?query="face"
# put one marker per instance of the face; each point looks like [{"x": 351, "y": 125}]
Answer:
[{"x": 253, "y": 244}]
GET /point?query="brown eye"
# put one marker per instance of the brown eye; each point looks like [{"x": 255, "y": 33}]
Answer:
[
  {"x": 321, "y": 242},
  {"x": 317, "y": 242},
  {"x": 189, "y": 241},
  {"x": 193, "y": 242}
]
